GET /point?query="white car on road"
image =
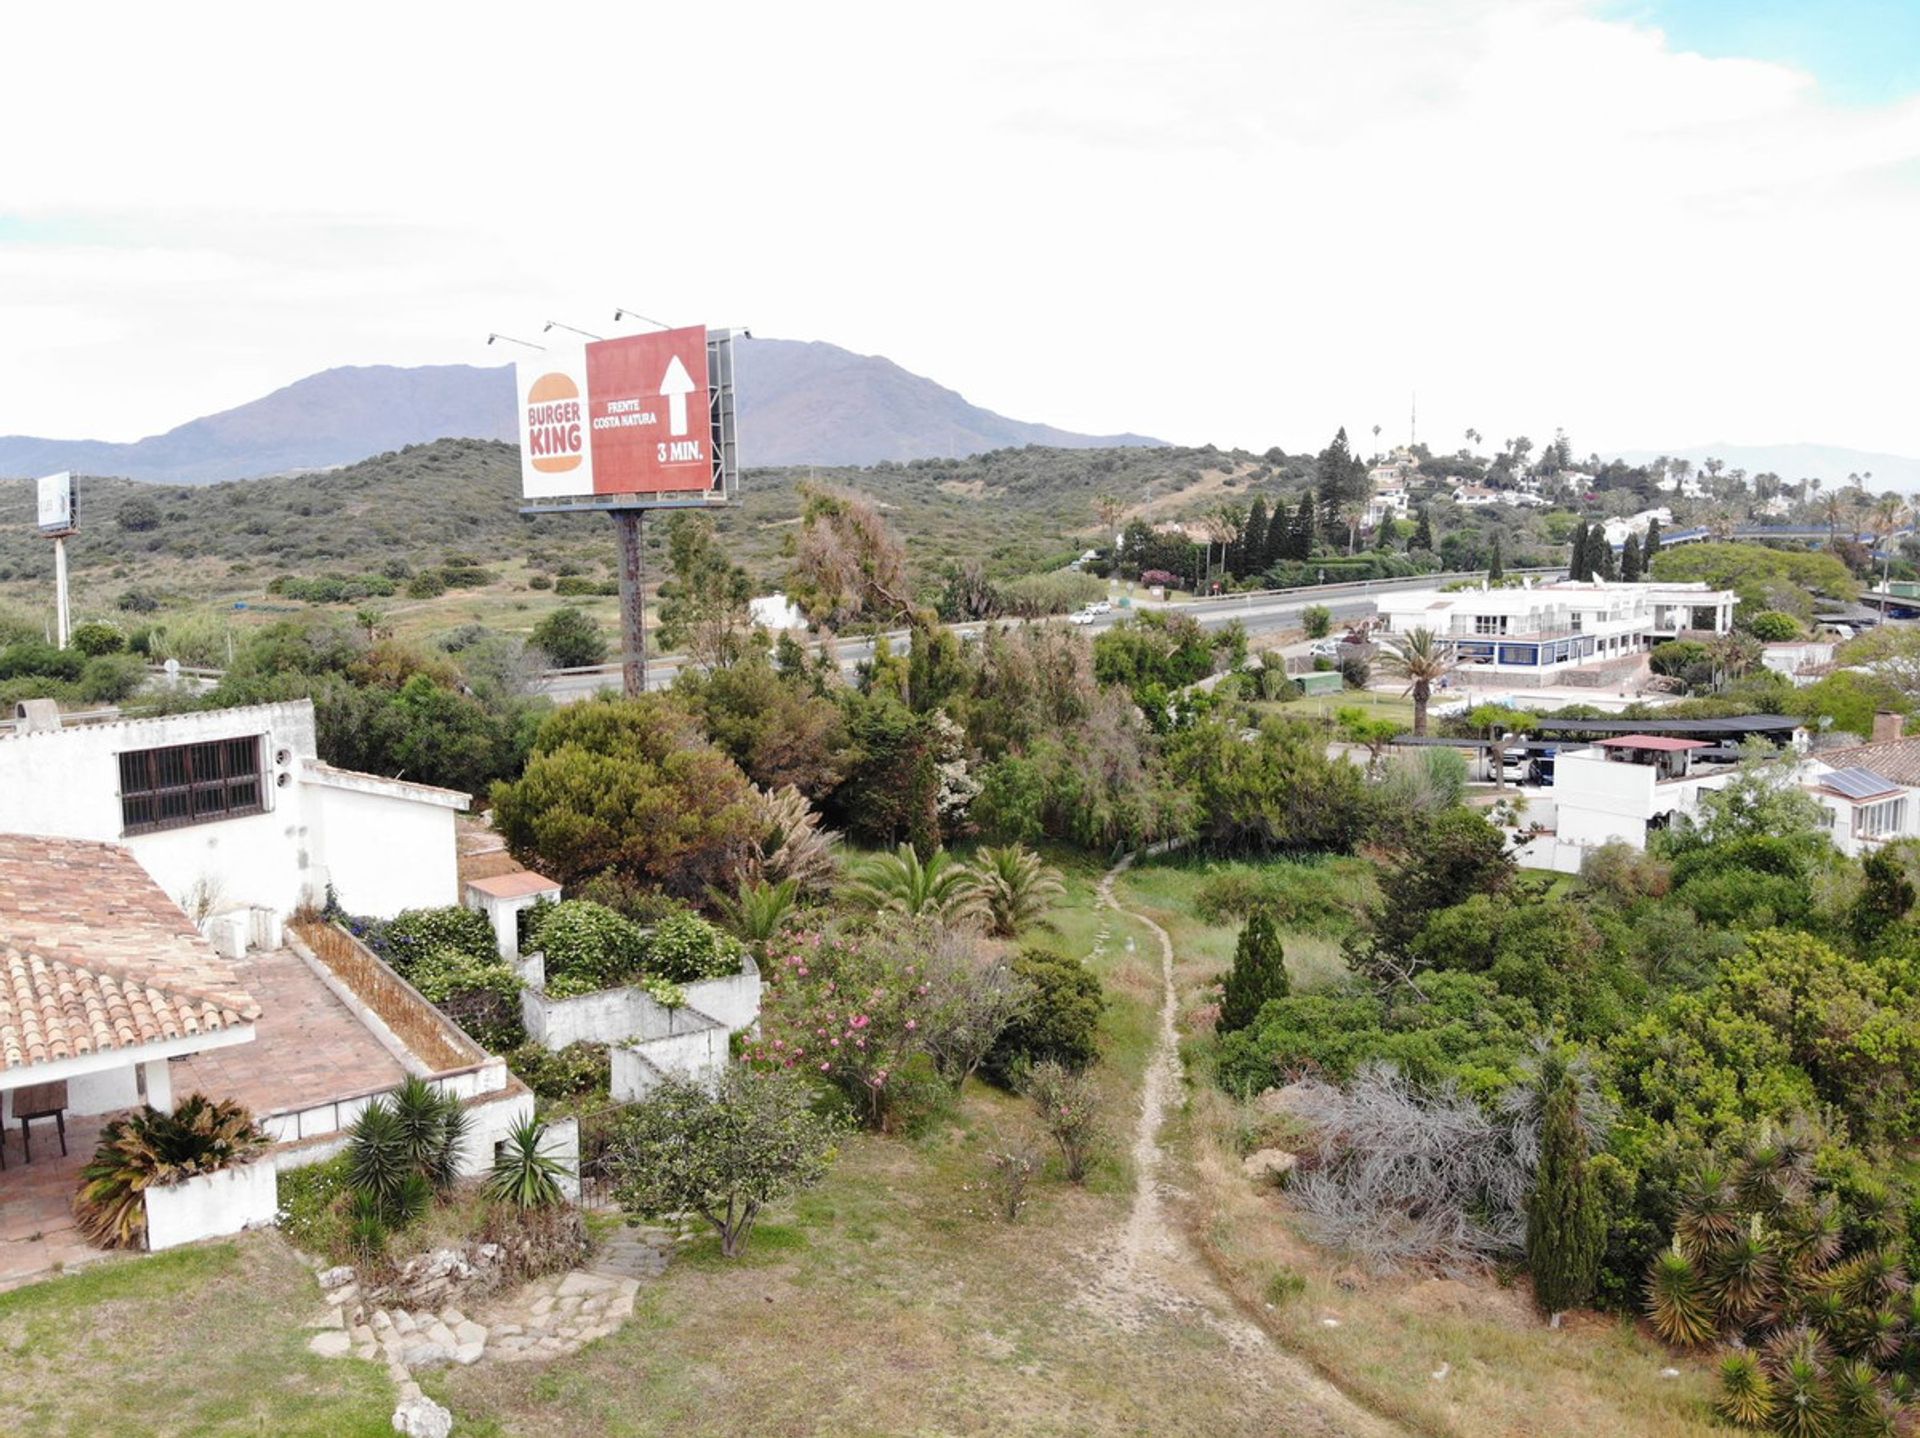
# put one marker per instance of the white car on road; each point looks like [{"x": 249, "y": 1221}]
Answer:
[{"x": 1081, "y": 616}]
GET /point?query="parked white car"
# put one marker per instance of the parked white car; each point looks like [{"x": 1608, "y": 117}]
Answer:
[
  {"x": 1081, "y": 616},
  {"x": 1100, "y": 606},
  {"x": 1325, "y": 649}
]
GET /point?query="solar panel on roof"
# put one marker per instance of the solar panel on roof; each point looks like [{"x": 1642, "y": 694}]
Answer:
[{"x": 1857, "y": 783}]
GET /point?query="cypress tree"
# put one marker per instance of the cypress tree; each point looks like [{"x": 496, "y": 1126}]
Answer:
[
  {"x": 1279, "y": 541},
  {"x": 1652, "y": 547},
  {"x": 1566, "y": 1219},
  {"x": 1422, "y": 535},
  {"x": 1306, "y": 529},
  {"x": 1252, "y": 544},
  {"x": 1383, "y": 533},
  {"x": 1259, "y": 973},
  {"x": 1494, "y": 569},
  {"x": 1577, "y": 552},
  {"x": 1630, "y": 558},
  {"x": 1600, "y": 562}
]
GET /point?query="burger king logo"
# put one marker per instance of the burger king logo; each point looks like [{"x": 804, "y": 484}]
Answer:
[{"x": 556, "y": 439}]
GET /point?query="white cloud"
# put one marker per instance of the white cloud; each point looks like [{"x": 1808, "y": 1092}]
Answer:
[{"x": 1238, "y": 222}]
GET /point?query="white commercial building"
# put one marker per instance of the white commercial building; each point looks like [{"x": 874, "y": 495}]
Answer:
[
  {"x": 232, "y": 810},
  {"x": 1533, "y": 633}
]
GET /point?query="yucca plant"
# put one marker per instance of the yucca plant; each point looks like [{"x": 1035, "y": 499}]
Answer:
[
  {"x": 756, "y": 913},
  {"x": 1746, "y": 1392},
  {"x": 1808, "y": 1235},
  {"x": 366, "y": 1226},
  {"x": 1802, "y": 1404},
  {"x": 1709, "y": 1216},
  {"x": 522, "y": 1175},
  {"x": 898, "y": 883},
  {"x": 1744, "y": 1276},
  {"x": 1013, "y": 885},
  {"x": 1869, "y": 1279},
  {"x": 1677, "y": 1300},
  {"x": 433, "y": 1126},
  {"x": 150, "y": 1149},
  {"x": 377, "y": 1161}
]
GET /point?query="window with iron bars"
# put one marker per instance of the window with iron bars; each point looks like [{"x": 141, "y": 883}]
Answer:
[{"x": 190, "y": 784}]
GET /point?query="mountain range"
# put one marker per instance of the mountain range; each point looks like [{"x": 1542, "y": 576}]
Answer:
[{"x": 800, "y": 402}]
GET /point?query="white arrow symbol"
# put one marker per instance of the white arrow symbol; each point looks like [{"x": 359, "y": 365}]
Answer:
[{"x": 676, "y": 386}]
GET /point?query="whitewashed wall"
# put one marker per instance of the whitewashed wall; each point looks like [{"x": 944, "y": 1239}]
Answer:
[
  {"x": 614, "y": 1016},
  {"x": 212, "y": 1205},
  {"x": 382, "y": 854}
]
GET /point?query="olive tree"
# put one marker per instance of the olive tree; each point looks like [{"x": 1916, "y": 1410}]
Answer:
[{"x": 724, "y": 1154}]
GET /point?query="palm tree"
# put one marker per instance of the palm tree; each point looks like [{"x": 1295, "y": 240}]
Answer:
[
  {"x": 756, "y": 913},
  {"x": 1419, "y": 656},
  {"x": 1013, "y": 885},
  {"x": 898, "y": 883},
  {"x": 1833, "y": 509}
]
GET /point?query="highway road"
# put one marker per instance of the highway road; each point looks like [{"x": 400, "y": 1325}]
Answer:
[{"x": 1258, "y": 611}]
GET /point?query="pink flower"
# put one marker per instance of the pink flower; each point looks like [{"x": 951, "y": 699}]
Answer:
[
  {"x": 912, "y": 1024},
  {"x": 858, "y": 1021}
]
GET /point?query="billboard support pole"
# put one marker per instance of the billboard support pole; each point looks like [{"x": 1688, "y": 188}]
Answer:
[
  {"x": 61, "y": 615},
  {"x": 630, "y": 527}
]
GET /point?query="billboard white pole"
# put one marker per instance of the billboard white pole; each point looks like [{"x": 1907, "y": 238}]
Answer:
[{"x": 60, "y": 586}]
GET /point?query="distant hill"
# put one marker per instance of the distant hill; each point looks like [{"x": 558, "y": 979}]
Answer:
[
  {"x": 800, "y": 403},
  {"x": 1830, "y": 464}
]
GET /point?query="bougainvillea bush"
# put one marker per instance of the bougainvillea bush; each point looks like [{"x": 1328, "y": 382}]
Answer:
[{"x": 894, "y": 1017}]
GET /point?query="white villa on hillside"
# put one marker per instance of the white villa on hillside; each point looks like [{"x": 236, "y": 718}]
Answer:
[
  {"x": 232, "y": 811},
  {"x": 1533, "y": 634}
]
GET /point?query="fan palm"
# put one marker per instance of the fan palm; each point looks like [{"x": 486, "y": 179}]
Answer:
[
  {"x": 898, "y": 883},
  {"x": 1012, "y": 884},
  {"x": 1422, "y": 658},
  {"x": 757, "y": 911}
]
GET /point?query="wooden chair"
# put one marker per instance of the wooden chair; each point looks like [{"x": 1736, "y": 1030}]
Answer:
[{"x": 44, "y": 1100}]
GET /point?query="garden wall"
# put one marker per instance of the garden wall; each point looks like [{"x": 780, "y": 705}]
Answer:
[
  {"x": 617, "y": 1016},
  {"x": 212, "y": 1205}
]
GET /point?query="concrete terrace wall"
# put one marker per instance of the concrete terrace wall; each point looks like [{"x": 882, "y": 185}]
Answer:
[{"x": 616, "y": 1016}]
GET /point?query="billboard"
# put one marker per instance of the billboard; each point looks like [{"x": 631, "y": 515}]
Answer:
[
  {"x": 642, "y": 415},
  {"x": 56, "y": 504}
]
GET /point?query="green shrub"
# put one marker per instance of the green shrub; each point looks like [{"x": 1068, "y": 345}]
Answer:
[
  {"x": 36, "y": 658},
  {"x": 575, "y": 586},
  {"x": 93, "y": 639},
  {"x": 312, "y": 1208},
  {"x": 1059, "y": 1022},
  {"x": 1772, "y": 626},
  {"x": 109, "y": 678},
  {"x": 1317, "y": 620},
  {"x": 427, "y": 584},
  {"x": 539, "y": 581},
  {"x": 1323, "y": 895},
  {"x": 685, "y": 948},
  {"x": 411, "y": 935},
  {"x": 587, "y": 946},
  {"x": 579, "y": 1070}
]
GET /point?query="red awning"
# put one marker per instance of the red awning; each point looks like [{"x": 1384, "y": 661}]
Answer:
[{"x": 1653, "y": 741}]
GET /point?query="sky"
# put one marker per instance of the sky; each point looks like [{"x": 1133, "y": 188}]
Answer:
[{"x": 1651, "y": 222}]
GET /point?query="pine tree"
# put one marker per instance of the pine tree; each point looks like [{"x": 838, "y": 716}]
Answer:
[
  {"x": 1494, "y": 570},
  {"x": 1577, "y": 552},
  {"x": 1279, "y": 538},
  {"x": 1566, "y": 1218},
  {"x": 1251, "y": 547},
  {"x": 1259, "y": 973},
  {"x": 1630, "y": 558},
  {"x": 1652, "y": 546},
  {"x": 1422, "y": 535},
  {"x": 1338, "y": 475}
]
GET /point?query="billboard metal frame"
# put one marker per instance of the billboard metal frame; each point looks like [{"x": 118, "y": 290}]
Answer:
[{"x": 723, "y": 446}]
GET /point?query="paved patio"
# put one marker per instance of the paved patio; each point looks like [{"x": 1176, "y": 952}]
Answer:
[{"x": 308, "y": 1048}]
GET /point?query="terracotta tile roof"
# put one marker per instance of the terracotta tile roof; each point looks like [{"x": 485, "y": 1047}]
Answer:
[
  {"x": 94, "y": 956},
  {"x": 515, "y": 885},
  {"x": 1895, "y": 759}
]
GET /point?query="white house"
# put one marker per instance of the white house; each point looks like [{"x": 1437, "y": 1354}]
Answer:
[
  {"x": 102, "y": 981},
  {"x": 1617, "y": 530},
  {"x": 1624, "y": 789},
  {"x": 1475, "y": 496},
  {"x": 232, "y": 810},
  {"x": 1534, "y": 633}
]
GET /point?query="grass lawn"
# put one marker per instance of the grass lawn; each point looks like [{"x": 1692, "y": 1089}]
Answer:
[
  {"x": 888, "y": 1301},
  {"x": 1324, "y": 706},
  {"x": 204, "y": 1340}
]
